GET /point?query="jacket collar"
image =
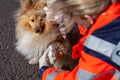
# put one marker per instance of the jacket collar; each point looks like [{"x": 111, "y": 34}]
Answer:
[{"x": 106, "y": 17}]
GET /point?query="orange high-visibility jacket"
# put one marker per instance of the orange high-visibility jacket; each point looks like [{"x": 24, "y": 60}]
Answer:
[{"x": 99, "y": 50}]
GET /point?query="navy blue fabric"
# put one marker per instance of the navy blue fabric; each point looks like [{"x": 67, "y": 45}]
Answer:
[
  {"x": 42, "y": 69},
  {"x": 75, "y": 26},
  {"x": 102, "y": 57},
  {"x": 110, "y": 32}
]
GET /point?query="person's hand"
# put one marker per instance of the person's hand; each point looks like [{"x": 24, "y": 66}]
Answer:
[
  {"x": 49, "y": 56},
  {"x": 43, "y": 61}
]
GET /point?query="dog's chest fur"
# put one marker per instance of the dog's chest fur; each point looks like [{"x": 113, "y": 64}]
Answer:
[{"x": 33, "y": 44}]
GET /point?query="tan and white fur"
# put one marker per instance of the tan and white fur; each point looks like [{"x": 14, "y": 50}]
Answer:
[
  {"x": 34, "y": 34},
  {"x": 28, "y": 41}
]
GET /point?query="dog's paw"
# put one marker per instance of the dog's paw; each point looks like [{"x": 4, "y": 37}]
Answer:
[{"x": 33, "y": 61}]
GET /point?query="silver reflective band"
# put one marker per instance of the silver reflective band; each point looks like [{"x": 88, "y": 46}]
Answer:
[
  {"x": 99, "y": 45},
  {"x": 53, "y": 74},
  {"x": 104, "y": 47},
  {"x": 116, "y": 55},
  {"x": 84, "y": 75},
  {"x": 117, "y": 75}
]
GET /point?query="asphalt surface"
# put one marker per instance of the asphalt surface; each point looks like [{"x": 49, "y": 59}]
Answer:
[{"x": 13, "y": 66}]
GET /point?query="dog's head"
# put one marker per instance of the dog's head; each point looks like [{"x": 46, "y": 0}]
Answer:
[
  {"x": 36, "y": 21},
  {"x": 32, "y": 16}
]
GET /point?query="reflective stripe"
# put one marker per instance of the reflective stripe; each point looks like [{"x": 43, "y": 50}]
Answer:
[
  {"x": 99, "y": 45},
  {"x": 104, "y": 47},
  {"x": 53, "y": 74},
  {"x": 84, "y": 75},
  {"x": 116, "y": 54},
  {"x": 117, "y": 75}
]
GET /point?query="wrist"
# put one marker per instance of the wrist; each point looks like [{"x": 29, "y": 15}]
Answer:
[{"x": 42, "y": 69}]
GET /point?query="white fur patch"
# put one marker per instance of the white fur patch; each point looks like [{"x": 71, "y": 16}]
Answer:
[{"x": 32, "y": 45}]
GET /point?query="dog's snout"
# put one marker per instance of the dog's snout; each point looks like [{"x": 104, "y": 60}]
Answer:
[
  {"x": 40, "y": 29},
  {"x": 37, "y": 30}
]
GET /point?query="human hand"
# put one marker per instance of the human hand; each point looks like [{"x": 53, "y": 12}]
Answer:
[
  {"x": 49, "y": 56},
  {"x": 43, "y": 61}
]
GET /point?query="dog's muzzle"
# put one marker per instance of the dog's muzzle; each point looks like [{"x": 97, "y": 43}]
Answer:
[{"x": 40, "y": 29}]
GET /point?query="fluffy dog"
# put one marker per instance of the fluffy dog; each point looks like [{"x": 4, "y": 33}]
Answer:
[{"x": 34, "y": 34}]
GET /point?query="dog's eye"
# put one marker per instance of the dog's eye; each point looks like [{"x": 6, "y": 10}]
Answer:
[
  {"x": 32, "y": 20},
  {"x": 41, "y": 20}
]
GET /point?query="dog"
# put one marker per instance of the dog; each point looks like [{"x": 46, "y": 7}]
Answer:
[{"x": 34, "y": 34}]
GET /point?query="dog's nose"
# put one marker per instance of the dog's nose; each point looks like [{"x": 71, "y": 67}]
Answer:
[{"x": 37, "y": 30}]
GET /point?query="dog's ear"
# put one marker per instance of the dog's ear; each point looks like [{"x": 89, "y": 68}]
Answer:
[
  {"x": 40, "y": 4},
  {"x": 26, "y": 4}
]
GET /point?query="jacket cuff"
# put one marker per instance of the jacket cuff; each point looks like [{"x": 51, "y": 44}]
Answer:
[{"x": 42, "y": 69}]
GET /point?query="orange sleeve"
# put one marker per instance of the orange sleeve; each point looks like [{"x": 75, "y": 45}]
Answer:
[{"x": 57, "y": 74}]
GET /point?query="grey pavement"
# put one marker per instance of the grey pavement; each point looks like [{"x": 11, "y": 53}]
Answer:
[{"x": 13, "y": 66}]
